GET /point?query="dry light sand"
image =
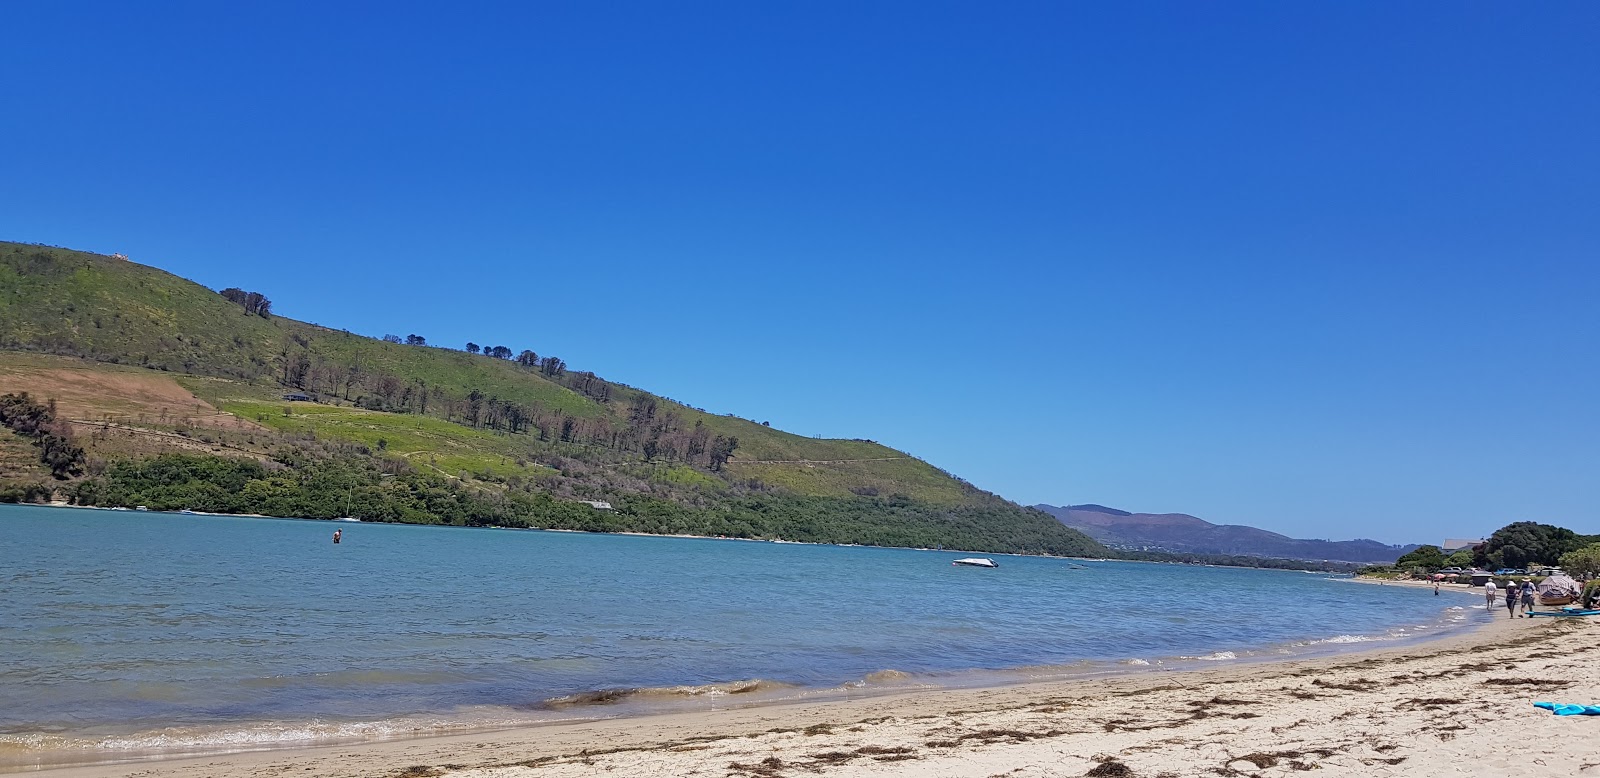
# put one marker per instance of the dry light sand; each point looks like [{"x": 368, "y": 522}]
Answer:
[{"x": 1456, "y": 706}]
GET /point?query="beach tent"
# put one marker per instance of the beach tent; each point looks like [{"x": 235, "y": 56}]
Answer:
[{"x": 1558, "y": 589}]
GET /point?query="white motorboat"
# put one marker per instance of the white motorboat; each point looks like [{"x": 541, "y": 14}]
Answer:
[
  {"x": 975, "y": 562},
  {"x": 348, "y": 518}
]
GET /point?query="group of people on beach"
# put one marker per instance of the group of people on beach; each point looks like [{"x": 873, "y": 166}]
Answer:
[{"x": 1515, "y": 595}]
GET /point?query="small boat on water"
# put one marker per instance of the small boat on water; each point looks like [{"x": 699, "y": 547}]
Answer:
[
  {"x": 975, "y": 562},
  {"x": 348, "y": 518}
]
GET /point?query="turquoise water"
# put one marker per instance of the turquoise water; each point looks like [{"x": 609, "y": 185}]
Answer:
[{"x": 127, "y": 633}]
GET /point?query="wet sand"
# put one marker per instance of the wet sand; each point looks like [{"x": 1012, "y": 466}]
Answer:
[{"x": 1437, "y": 708}]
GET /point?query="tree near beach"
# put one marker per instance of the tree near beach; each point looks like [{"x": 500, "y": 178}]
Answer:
[
  {"x": 1527, "y": 543},
  {"x": 1583, "y": 563},
  {"x": 1424, "y": 558}
]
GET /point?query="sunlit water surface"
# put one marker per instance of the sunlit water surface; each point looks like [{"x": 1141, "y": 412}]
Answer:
[{"x": 126, "y": 634}]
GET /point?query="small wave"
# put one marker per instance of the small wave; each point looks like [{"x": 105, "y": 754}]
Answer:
[
  {"x": 33, "y": 742},
  {"x": 179, "y": 739},
  {"x": 1135, "y": 662},
  {"x": 1347, "y": 639},
  {"x": 238, "y": 738},
  {"x": 615, "y": 696},
  {"x": 1217, "y": 657},
  {"x": 888, "y": 676}
]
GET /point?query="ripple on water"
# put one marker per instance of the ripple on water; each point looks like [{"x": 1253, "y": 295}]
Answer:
[{"x": 214, "y": 623}]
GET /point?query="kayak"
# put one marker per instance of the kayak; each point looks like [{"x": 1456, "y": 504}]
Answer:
[
  {"x": 1564, "y": 613},
  {"x": 1563, "y": 709}
]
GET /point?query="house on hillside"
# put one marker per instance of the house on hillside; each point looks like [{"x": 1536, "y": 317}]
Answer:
[
  {"x": 298, "y": 397},
  {"x": 599, "y": 505},
  {"x": 1456, "y": 544}
]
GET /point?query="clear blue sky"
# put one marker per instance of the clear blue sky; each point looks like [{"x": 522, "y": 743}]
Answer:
[{"x": 1329, "y": 269}]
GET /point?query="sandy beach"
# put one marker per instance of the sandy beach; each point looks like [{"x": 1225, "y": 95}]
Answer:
[{"x": 1438, "y": 708}]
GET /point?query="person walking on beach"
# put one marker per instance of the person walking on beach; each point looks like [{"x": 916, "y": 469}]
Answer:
[
  {"x": 1511, "y": 600},
  {"x": 1527, "y": 596},
  {"x": 1489, "y": 592}
]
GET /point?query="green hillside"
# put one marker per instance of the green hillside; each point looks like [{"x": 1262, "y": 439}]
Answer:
[{"x": 96, "y": 331}]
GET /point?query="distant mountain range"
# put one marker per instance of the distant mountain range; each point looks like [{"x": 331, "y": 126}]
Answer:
[{"x": 1180, "y": 532}]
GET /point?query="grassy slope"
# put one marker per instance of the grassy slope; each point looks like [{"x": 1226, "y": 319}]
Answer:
[{"x": 67, "y": 302}]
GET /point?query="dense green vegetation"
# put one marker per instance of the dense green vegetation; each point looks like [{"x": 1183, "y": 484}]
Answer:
[
  {"x": 1526, "y": 543},
  {"x": 1521, "y": 545},
  {"x": 299, "y": 485},
  {"x": 1427, "y": 559},
  {"x": 400, "y": 430},
  {"x": 1582, "y": 563},
  {"x": 1234, "y": 560}
]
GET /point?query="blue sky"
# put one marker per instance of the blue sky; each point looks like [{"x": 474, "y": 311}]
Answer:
[{"x": 1328, "y": 269}]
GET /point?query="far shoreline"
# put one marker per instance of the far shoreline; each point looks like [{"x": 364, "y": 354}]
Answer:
[{"x": 781, "y": 541}]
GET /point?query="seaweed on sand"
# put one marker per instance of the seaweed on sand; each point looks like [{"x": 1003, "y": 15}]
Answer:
[
  {"x": 1427, "y": 703},
  {"x": 419, "y": 771},
  {"x": 1358, "y": 685},
  {"x": 1537, "y": 683},
  {"x": 771, "y": 767},
  {"x": 1110, "y": 768}
]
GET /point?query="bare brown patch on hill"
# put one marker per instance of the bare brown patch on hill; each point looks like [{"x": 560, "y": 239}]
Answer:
[{"x": 98, "y": 393}]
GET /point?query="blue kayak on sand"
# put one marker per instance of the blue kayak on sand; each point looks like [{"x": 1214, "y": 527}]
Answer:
[
  {"x": 1563, "y": 709},
  {"x": 1565, "y": 613}
]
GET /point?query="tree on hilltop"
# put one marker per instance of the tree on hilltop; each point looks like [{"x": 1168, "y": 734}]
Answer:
[
  {"x": 252, "y": 302},
  {"x": 472, "y": 348},
  {"x": 416, "y": 340},
  {"x": 527, "y": 358},
  {"x": 392, "y": 339}
]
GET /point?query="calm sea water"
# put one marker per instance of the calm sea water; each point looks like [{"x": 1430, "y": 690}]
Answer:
[{"x": 126, "y": 633}]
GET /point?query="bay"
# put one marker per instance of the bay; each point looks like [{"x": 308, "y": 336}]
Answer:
[{"x": 130, "y": 633}]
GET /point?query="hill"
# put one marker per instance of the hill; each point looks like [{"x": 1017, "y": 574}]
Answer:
[
  {"x": 1182, "y": 533},
  {"x": 143, "y": 364}
]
